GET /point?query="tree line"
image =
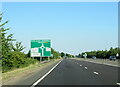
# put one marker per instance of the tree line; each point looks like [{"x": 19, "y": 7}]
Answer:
[
  {"x": 105, "y": 54},
  {"x": 56, "y": 54}
]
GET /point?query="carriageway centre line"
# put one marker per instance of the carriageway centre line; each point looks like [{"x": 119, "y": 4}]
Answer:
[{"x": 94, "y": 72}]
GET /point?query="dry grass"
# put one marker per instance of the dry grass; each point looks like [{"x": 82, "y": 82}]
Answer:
[{"x": 18, "y": 72}]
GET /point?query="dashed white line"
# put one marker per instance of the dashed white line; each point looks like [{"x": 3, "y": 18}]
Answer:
[
  {"x": 96, "y": 73},
  {"x": 80, "y": 65},
  {"x": 45, "y": 75},
  {"x": 86, "y": 68},
  {"x": 118, "y": 83}
]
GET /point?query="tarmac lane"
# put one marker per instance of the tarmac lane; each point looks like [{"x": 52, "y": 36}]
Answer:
[{"x": 76, "y": 72}]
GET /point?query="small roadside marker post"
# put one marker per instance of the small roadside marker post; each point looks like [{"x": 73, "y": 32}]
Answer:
[{"x": 85, "y": 56}]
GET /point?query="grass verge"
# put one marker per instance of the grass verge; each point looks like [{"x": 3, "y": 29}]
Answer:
[
  {"x": 101, "y": 61},
  {"x": 26, "y": 70}
]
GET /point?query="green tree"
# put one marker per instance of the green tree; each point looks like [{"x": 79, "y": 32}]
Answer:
[
  {"x": 62, "y": 54},
  {"x": 103, "y": 53},
  {"x": 5, "y": 40},
  {"x": 68, "y": 55},
  {"x": 11, "y": 56},
  {"x": 18, "y": 46},
  {"x": 28, "y": 54},
  {"x": 55, "y": 53}
]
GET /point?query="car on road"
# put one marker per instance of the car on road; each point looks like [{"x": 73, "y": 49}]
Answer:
[
  {"x": 93, "y": 57},
  {"x": 112, "y": 58}
]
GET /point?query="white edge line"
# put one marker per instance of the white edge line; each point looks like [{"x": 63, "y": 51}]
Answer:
[
  {"x": 45, "y": 75},
  {"x": 96, "y": 73}
]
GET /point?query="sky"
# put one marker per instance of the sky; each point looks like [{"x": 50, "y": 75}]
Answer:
[{"x": 72, "y": 27}]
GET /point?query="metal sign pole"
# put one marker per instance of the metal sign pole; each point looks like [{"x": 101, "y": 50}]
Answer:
[
  {"x": 48, "y": 58},
  {"x": 40, "y": 58}
]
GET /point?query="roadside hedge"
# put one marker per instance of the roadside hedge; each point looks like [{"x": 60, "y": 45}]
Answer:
[{"x": 16, "y": 60}]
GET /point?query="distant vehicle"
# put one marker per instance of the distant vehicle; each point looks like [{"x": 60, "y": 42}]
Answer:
[
  {"x": 93, "y": 57},
  {"x": 112, "y": 58}
]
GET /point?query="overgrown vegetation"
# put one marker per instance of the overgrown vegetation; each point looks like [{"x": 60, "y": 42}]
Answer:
[{"x": 12, "y": 57}]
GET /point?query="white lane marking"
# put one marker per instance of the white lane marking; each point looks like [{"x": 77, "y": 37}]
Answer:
[
  {"x": 80, "y": 65},
  {"x": 45, "y": 75},
  {"x": 96, "y": 73},
  {"x": 118, "y": 83},
  {"x": 85, "y": 67}
]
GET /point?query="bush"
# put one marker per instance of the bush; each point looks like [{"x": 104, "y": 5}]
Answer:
[{"x": 16, "y": 60}]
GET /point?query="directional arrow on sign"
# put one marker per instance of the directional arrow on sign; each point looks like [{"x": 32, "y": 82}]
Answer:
[{"x": 42, "y": 47}]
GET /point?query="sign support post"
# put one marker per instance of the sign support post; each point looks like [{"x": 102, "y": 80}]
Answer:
[
  {"x": 40, "y": 59},
  {"x": 48, "y": 58}
]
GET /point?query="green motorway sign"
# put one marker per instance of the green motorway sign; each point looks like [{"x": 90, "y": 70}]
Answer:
[{"x": 40, "y": 48}]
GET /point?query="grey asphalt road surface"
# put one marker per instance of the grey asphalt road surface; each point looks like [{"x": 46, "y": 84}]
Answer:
[{"x": 76, "y": 72}]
